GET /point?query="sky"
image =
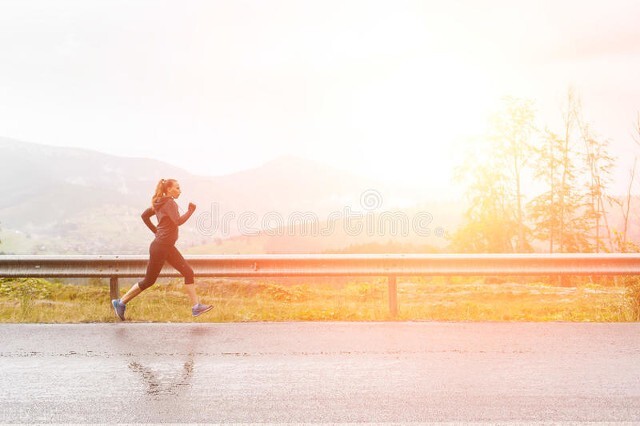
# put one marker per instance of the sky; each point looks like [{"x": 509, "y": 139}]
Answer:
[{"x": 387, "y": 89}]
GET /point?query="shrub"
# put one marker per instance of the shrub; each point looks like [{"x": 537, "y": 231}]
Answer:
[{"x": 32, "y": 288}]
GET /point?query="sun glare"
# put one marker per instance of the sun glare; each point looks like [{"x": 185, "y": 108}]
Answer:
[{"x": 412, "y": 117}]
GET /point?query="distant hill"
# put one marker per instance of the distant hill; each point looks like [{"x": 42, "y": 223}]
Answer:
[
  {"x": 58, "y": 200},
  {"x": 69, "y": 200},
  {"x": 51, "y": 183}
]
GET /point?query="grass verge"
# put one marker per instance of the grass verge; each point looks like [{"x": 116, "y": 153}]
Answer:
[{"x": 39, "y": 301}]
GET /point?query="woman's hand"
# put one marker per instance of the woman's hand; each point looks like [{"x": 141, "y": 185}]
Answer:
[{"x": 192, "y": 207}]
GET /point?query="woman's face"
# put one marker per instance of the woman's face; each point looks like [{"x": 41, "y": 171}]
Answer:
[{"x": 174, "y": 190}]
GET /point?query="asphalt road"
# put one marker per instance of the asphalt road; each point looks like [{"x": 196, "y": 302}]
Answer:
[{"x": 319, "y": 372}]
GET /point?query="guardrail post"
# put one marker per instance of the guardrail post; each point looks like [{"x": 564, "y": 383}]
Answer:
[
  {"x": 114, "y": 288},
  {"x": 393, "y": 296}
]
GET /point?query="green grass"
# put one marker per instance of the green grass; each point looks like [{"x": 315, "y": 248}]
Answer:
[{"x": 434, "y": 299}]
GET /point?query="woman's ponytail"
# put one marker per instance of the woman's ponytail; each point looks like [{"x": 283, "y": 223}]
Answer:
[{"x": 161, "y": 189}]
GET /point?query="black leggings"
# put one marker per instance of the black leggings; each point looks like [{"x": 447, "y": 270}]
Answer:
[{"x": 160, "y": 253}]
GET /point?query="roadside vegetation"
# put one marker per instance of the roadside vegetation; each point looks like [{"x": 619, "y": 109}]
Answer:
[{"x": 421, "y": 299}]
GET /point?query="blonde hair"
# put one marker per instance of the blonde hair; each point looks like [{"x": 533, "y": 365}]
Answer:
[{"x": 161, "y": 189}]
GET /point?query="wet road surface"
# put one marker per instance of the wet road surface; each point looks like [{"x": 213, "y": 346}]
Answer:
[{"x": 319, "y": 372}]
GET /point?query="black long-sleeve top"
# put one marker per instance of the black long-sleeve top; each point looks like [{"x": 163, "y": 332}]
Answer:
[{"x": 166, "y": 211}]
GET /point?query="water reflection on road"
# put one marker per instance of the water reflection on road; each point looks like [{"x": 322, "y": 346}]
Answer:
[{"x": 159, "y": 384}]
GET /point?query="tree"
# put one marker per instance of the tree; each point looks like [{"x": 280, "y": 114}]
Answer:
[
  {"x": 621, "y": 239},
  {"x": 513, "y": 129},
  {"x": 569, "y": 119},
  {"x": 490, "y": 225},
  {"x": 495, "y": 219},
  {"x": 599, "y": 164},
  {"x": 621, "y": 242},
  {"x": 545, "y": 208},
  {"x": 555, "y": 213},
  {"x": 558, "y": 212}
]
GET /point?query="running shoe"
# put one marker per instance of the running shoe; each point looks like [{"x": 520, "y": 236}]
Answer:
[
  {"x": 199, "y": 309},
  {"x": 119, "y": 307}
]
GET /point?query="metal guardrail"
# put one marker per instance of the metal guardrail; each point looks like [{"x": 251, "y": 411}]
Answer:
[{"x": 389, "y": 265}]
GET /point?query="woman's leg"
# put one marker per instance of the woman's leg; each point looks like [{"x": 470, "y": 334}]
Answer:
[
  {"x": 157, "y": 256},
  {"x": 175, "y": 259},
  {"x": 133, "y": 292}
]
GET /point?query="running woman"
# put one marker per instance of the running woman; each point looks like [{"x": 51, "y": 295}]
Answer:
[{"x": 162, "y": 248}]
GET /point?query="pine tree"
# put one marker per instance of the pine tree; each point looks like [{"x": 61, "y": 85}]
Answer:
[
  {"x": 599, "y": 164},
  {"x": 544, "y": 209},
  {"x": 558, "y": 213}
]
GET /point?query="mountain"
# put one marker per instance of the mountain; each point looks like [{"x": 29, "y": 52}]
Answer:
[
  {"x": 69, "y": 200},
  {"x": 48, "y": 183}
]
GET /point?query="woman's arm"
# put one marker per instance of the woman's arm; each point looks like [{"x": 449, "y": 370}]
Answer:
[
  {"x": 146, "y": 218},
  {"x": 174, "y": 214}
]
